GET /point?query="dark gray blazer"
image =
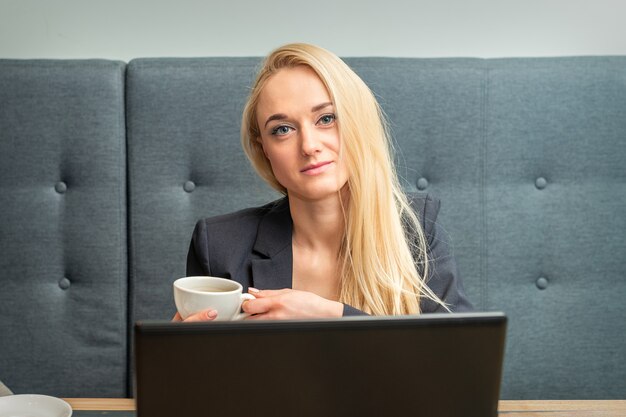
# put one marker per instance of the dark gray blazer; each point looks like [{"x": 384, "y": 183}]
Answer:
[{"x": 253, "y": 247}]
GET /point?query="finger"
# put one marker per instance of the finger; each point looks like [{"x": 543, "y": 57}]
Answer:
[
  {"x": 204, "y": 315},
  {"x": 267, "y": 293},
  {"x": 257, "y": 317},
  {"x": 177, "y": 317},
  {"x": 257, "y": 306}
]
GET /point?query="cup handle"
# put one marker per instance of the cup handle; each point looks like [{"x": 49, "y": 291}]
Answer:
[{"x": 244, "y": 297}]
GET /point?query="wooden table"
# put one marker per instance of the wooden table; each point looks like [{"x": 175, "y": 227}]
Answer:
[
  {"x": 534, "y": 408},
  {"x": 568, "y": 408}
]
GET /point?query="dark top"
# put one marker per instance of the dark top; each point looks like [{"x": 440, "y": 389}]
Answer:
[{"x": 253, "y": 247}]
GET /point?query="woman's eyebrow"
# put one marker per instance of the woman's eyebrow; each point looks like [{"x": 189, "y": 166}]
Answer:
[
  {"x": 277, "y": 116},
  {"x": 281, "y": 116},
  {"x": 321, "y": 106}
]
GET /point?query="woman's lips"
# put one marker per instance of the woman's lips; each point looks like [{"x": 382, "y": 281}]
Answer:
[{"x": 316, "y": 168}]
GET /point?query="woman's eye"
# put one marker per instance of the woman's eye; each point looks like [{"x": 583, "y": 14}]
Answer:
[
  {"x": 281, "y": 130},
  {"x": 327, "y": 119}
]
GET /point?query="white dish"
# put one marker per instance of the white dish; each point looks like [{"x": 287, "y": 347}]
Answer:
[{"x": 33, "y": 405}]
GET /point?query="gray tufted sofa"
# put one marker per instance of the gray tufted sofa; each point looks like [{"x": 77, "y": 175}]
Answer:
[{"x": 106, "y": 166}]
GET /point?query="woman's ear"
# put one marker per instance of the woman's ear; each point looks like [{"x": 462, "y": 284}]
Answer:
[{"x": 260, "y": 142}]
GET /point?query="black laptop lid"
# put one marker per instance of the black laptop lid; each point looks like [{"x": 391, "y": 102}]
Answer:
[{"x": 430, "y": 365}]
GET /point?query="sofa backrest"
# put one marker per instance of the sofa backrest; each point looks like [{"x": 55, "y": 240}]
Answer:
[
  {"x": 63, "y": 252},
  {"x": 525, "y": 154}
]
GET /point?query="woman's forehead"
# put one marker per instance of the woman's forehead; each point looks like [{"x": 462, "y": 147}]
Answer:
[{"x": 293, "y": 87}]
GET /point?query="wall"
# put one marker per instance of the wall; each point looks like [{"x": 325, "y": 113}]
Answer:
[{"x": 126, "y": 29}]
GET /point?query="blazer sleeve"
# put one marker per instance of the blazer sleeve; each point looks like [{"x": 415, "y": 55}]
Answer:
[
  {"x": 348, "y": 310},
  {"x": 198, "y": 255},
  {"x": 443, "y": 275}
]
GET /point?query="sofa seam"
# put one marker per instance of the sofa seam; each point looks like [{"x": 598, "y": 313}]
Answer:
[
  {"x": 483, "y": 184},
  {"x": 129, "y": 242}
]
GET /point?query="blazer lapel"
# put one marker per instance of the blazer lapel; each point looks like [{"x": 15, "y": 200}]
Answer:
[{"x": 273, "y": 270}]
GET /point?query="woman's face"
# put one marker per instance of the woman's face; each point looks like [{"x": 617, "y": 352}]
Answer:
[{"x": 299, "y": 134}]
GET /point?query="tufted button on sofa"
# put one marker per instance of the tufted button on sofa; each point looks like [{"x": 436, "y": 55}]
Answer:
[{"x": 105, "y": 167}]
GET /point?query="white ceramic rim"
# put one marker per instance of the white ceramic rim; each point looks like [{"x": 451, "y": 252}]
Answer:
[
  {"x": 224, "y": 280},
  {"x": 43, "y": 408}
]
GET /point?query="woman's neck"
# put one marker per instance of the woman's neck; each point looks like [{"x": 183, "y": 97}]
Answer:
[{"x": 318, "y": 225}]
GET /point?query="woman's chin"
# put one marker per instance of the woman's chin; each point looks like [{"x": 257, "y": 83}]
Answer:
[{"x": 315, "y": 195}]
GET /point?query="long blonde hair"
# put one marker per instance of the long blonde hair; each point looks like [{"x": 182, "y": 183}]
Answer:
[{"x": 384, "y": 247}]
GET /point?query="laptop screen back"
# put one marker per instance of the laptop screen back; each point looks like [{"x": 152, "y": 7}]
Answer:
[{"x": 431, "y": 365}]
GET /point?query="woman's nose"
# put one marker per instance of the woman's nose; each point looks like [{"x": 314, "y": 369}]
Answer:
[{"x": 310, "y": 143}]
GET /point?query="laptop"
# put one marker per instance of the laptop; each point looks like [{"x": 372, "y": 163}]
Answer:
[{"x": 430, "y": 365}]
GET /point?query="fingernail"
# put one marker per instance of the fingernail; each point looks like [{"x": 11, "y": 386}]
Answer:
[
  {"x": 212, "y": 314},
  {"x": 252, "y": 289}
]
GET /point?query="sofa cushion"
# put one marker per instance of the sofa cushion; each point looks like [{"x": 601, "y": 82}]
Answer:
[
  {"x": 63, "y": 252},
  {"x": 555, "y": 205}
]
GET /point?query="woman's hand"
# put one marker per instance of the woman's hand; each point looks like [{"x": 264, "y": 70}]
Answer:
[
  {"x": 289, "y": 304},
  {"x": 204, "y": 315}
]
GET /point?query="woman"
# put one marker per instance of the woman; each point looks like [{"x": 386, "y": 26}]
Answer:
[{"x": 345, "y": 240}]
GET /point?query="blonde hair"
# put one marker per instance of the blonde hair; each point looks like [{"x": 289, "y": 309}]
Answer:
[{"x": 384, "y": 247}]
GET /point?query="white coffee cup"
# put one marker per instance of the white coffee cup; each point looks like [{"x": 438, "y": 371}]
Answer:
[{"x": 194, "y": 294}]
